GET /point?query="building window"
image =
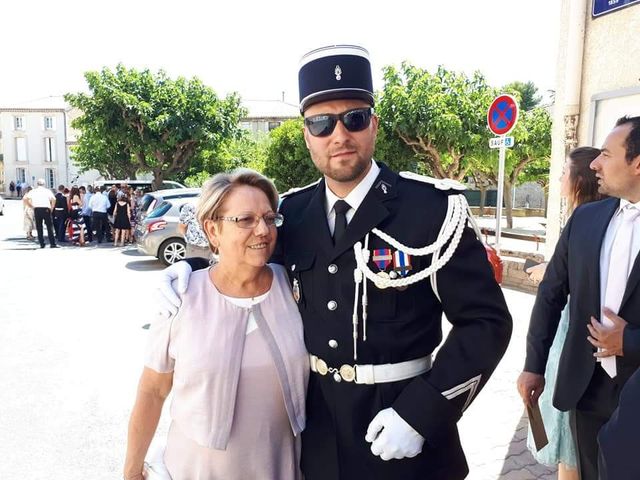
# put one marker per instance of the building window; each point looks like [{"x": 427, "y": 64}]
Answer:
[
  {"x": 21, "y": 149},
  {"x": 50, "y": 177},
  {"x": 21, "y": 175},
  {"x": 49, "y": 123},
  {"x": 18, "y": 123},
  {"x": 273, "y": 125},
  {"x": 49, "y": 149}
]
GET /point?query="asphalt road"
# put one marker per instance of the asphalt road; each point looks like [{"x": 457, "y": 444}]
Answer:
[{"x": 71, "y": 344}]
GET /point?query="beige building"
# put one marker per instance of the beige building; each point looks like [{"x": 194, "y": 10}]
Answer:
[
  {"x": 32, "y": 146},
  {"x": 598, "y": 81}
]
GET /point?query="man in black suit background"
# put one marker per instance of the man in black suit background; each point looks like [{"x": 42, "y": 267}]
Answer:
[
  {"x": 595, "y": 265},
  {"x": 618, "y": 439}
]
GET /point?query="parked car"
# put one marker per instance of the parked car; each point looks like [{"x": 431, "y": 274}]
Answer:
[
  {"x": 145, "y": 185},
  {"x": 158, "y": 234},
  {"x": 151, "y": 200}
]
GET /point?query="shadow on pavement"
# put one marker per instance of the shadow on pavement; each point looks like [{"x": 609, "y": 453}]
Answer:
[
  {"x": 145, "y": 265},
  {"x": 133, "y": 252},
  {"x": 520, "y": 459}
]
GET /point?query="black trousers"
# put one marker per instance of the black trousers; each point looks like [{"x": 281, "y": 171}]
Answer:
[
  {"x": 59, "y": 219},
  {"x": 44, "y": 215},
  {"x": 101, "y": 224},
  {"x": 593, "y": 410},
  {"x": 89, "y": 224}
]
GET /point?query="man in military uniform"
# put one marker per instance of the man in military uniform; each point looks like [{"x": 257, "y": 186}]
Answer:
[{"x": 375, "y": 259}]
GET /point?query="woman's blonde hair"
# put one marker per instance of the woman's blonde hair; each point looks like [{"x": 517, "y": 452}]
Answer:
[{"x": 216, "y": 190}]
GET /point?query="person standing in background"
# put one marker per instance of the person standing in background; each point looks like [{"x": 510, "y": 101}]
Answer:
[
  {"x": 29, "y": 221},
  {"x": 42, "y": 201},
  {"x": 593, "y": 268},
  {"x": 578, "y": 185}
]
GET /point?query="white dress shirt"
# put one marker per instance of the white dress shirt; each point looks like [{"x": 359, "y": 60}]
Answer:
[
  {"x": 354, "y": 199},
  {"x": 41, "y": 197},
  {"x": 605, "y": 252},
  {"x": 99, "y": 203}
]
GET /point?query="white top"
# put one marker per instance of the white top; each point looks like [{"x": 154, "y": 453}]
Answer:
[
  {"x": 607, "y": 244},
  {"x": 41, "y": 197},
  {"x": 354, "y": 199},
  {"x": 248, "y": 303},
  {"x": 99, "y": 203}
]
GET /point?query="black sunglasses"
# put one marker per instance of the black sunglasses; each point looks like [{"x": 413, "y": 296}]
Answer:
[{"x": 323, "y": 125}]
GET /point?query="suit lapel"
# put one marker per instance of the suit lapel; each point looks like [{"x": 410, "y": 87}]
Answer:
[{"x": 371, "y": 211}]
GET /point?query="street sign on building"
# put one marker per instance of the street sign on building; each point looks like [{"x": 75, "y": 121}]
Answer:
[
  {"x": 602, "y": 7},
  {"x": 502, "y": 115},
  {"x": 497, "y": 142}
]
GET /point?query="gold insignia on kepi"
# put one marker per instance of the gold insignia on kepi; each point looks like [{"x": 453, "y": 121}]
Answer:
[
  {"x": 321, "y": 366},
  {"x": 348, "y": 373}
]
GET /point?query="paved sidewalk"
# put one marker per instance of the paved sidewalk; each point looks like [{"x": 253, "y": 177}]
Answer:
[{"x": 494, "y": 429}]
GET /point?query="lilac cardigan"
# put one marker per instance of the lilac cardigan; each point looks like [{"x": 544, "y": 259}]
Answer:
[{"x": 202, "y": 345}]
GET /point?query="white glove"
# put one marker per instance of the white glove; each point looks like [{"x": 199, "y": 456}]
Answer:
[
  {"x": 168, "y": 300},
  {"x": 392, "y": 437}
]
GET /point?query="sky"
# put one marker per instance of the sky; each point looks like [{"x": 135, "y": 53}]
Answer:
[{"x": 254, "y": 47}]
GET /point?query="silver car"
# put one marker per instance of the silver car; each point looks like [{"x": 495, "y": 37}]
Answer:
[
  {"x": 158, "y": 234},
  {"x": 153, "y": 199}
]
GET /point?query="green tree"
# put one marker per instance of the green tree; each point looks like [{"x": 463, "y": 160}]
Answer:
[
  {"x": 244, "y": 151},
  {"x": 531, "y": 153},
  {"x": 441, "y": 116},
  {"x": 527, "y": 93},
  {"x": 151, "y": 122},
  {"x": 287, "y": 160}
]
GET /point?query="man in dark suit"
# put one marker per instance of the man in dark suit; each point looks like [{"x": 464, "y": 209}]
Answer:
[
  {"x": 378, "y": 407},
  {"x": 595, "y": 264},
  {"x": 618, "y": 439}
]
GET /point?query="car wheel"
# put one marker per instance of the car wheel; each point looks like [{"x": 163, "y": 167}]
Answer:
[{"x": 171, "y": 251}]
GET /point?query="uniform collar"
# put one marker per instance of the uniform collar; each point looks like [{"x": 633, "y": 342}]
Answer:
[
  {"x": 356, "y": 196},
  {"x": 625, "y": 203}
]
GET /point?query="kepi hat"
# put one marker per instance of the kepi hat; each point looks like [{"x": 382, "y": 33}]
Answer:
[{"x": 335, "y": 72}]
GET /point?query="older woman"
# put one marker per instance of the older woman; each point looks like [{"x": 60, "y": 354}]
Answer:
[{"x": 233, "y": 354}]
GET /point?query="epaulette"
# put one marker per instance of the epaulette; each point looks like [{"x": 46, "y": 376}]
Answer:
[
  {"x": 293, "y": 190},
  {"x": 439, "y": 183}
]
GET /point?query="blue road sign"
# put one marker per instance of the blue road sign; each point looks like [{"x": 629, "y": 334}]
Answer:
[{"x": 602, "y": 7}]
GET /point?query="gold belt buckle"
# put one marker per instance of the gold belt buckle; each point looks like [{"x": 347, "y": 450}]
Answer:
[
  {"x": 348, "y": 372},
  {"x": 321, "y": 367}
]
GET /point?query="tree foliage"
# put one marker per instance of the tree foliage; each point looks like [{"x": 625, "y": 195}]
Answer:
[
  {"x": 287, "y": 160},
  {"x": 441, "y": 116},
  {"x": 148, "y": 122},
  {"x": 528, "y": 97}
]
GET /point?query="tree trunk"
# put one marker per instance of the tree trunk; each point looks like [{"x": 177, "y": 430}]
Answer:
[
  {"x": 158, "y": 177},
  {"x": 483, "y": 198},
  {"x": 508, "y": 202}
]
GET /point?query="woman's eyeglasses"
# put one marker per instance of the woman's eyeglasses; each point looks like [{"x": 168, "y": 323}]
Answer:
[
  {"x": 323, "y": 125},
  {"x": 252, "y": 221}
]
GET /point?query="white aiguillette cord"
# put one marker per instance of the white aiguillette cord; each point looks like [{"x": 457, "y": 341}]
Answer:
[{"x": 457, "y": 213}]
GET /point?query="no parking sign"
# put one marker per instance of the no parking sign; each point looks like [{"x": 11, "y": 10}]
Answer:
[{"x": 502, "y": 115}]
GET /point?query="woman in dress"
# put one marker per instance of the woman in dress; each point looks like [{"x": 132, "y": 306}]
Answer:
[
  {"x": 233, "y": 354},
  {"x": 121, "y": 220},
  {"x": 28, "y": 217},
  {"x": 75, "y": 221},
  {"x": 578, "y": 185}
]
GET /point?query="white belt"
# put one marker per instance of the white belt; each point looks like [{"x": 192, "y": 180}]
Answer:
[{"x": 371, "y": 374}]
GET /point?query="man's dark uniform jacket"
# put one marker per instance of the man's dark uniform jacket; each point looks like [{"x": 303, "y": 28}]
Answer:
[
  {"x": 575, "y": 269},
  {"x": 401, "y": 326}
]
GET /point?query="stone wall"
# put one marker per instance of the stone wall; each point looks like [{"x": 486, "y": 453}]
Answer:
[{"x": 513, "y": 274}]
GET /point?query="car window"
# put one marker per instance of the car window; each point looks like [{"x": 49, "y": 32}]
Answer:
[
  {"x": 160, "y": 210},
  {"x": 146, "y": 201}
]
